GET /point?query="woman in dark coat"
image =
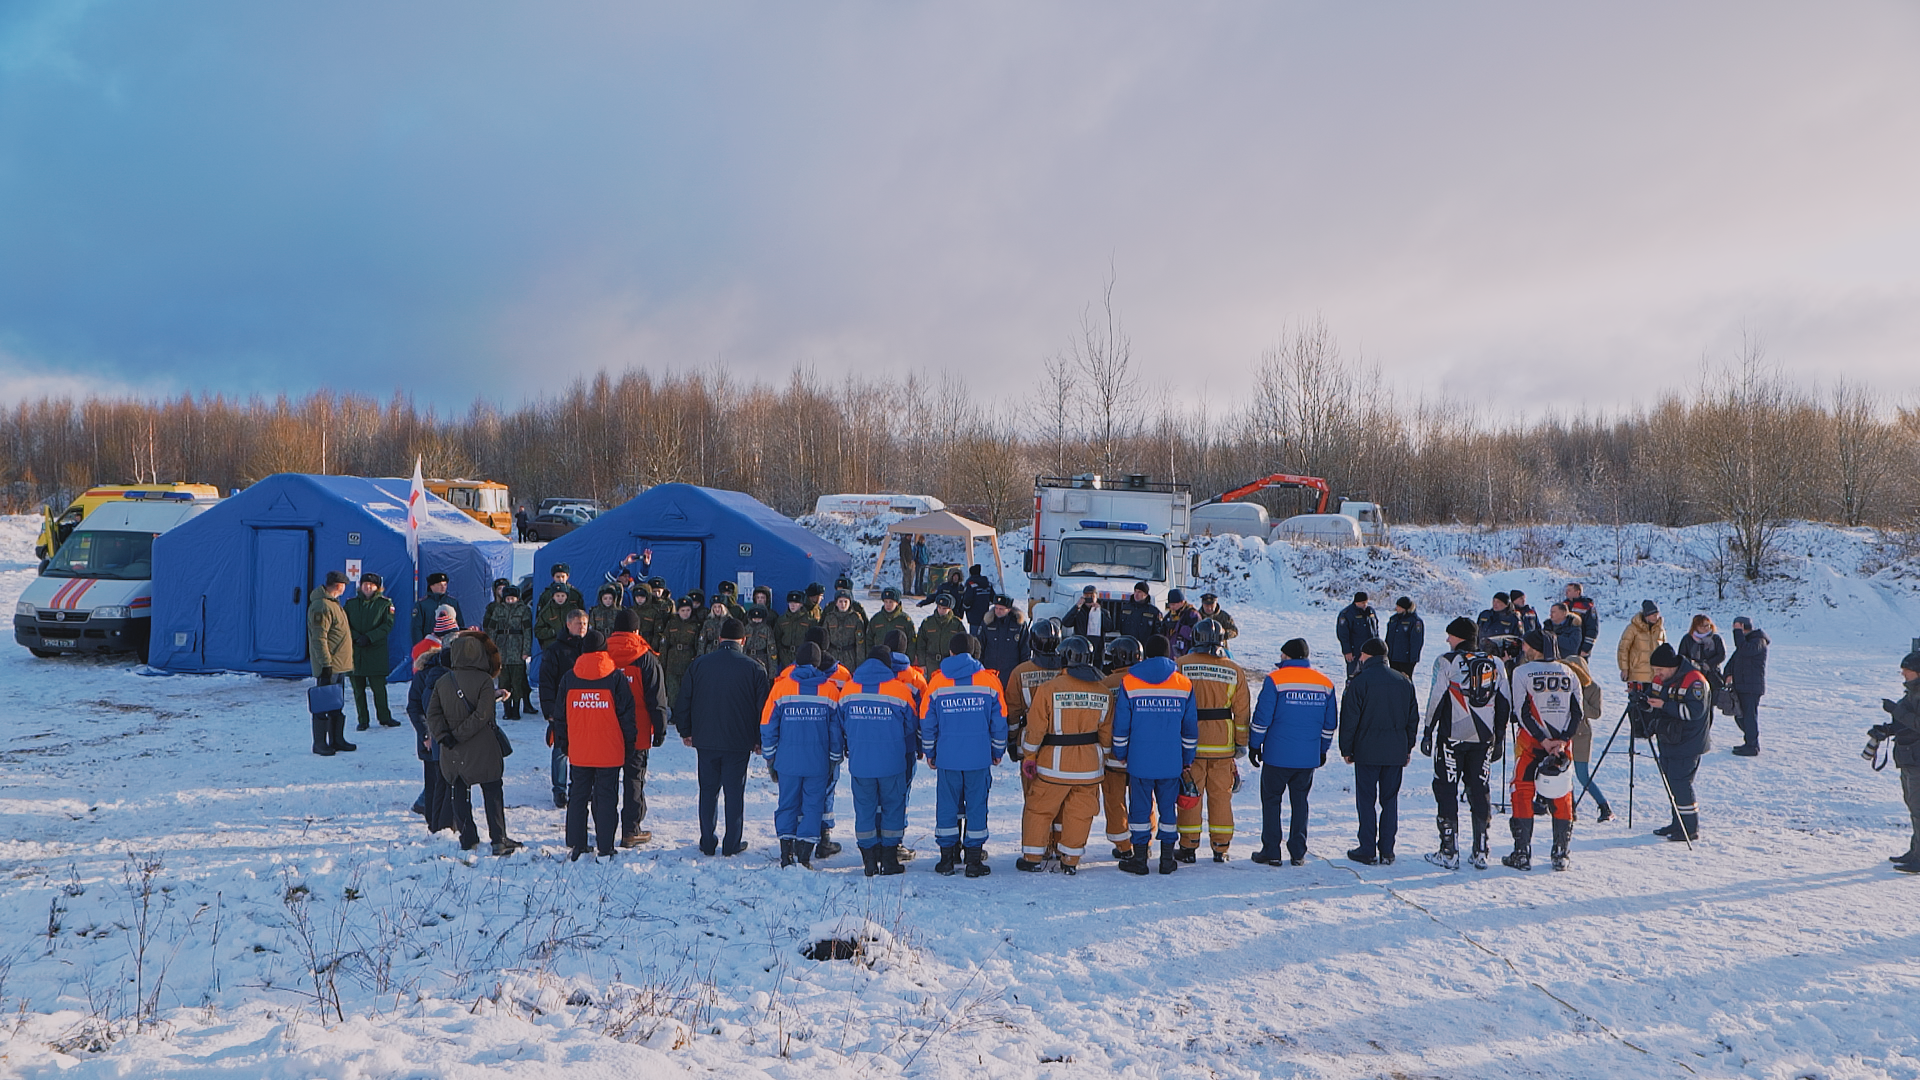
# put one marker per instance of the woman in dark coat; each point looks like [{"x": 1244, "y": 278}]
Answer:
[
  {"x": 428, "y": 669},
  {"x": 1747, "y": 672},
  {"x": 1703, "y": 646},
  {"x": 460, "y": 720}
]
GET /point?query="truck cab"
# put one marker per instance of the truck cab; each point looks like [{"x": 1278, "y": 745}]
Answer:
[
  {"x": 54, "y": 529},
  {"x": 1372, "y": 519},
  {"x": 95, "y": 593},
  {"x": 1108, "y": 534}
]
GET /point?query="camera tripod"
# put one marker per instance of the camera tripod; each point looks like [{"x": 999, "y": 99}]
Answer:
[{"x": 1633, "y": 755}]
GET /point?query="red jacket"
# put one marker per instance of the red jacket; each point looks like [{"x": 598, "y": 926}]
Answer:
[
  {"x": 597, "y": 703},
  {"x": 641, "y": 665}
]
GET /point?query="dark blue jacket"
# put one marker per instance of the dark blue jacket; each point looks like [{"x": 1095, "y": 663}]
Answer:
[
  {"x": 963, "y": 724},
  {"x": 1681, "y": 719},
  {"x": 1493, "y": 623},
  {"x": 799, "y": 736},
  {"x": 1355, "y": 627},
  {"x": 1406, "y": 636},
  {"x": 1379, "y": 716},
  {"x": 977, "y": 598},
  {"x": 720, "y": 699},
  {"x": 1003, "y": 643},
  {"x": 879, "y": 729},
  {"x": 1748, "y": 668},
  {"x": 1588, "y": 613},
  {"x": 1296, "y": 718},
  {"x": 425, "y": 674},
  {"x": 1137, "y": 621},
  {"x": 1567, "y": 635},
  {"x": 1529, "y": 618}
]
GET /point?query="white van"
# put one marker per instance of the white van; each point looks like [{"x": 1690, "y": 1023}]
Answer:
[
  {"x": 869, "y": 505},
  {"x": 1230, "y": 519},
  {"x": 95, "y": 594}
]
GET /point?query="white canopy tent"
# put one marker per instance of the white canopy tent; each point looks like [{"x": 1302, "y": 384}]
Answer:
[{"x": 942, "y": 523}]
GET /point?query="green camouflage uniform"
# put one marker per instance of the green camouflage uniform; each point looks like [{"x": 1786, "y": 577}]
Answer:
[
  {"x": 881, "y": 623},
  {"x": 682, "y": 640},
  {"x": 930, "y": 644},
  {"x": 845, "y": 632},
  {"x": 511, "y": 627}
]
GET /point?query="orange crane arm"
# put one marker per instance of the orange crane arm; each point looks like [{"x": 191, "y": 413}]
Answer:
[{"x": 1277, "y": 480}]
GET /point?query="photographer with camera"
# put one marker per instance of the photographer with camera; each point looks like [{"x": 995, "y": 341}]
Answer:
[
  {"x": 1903, "y": 727},
  {"x": 1676, "y": 704},
  {"x": 1546, "y": 706}
]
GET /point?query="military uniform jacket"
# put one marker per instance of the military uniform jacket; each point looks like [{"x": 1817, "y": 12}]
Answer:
[
  {"x": 1222, "y": 702},
  {"x": 371, "y": 620},
  {"x": 789, "y": 633},
  {"x": 882, "y": 623},
  {"x": 511, "y": 628},
  {"x": 761, "y": 646},
  {"x": 930, "y": 644},
  {"x": 1224, "y": 618},
  {"x": 682, "y": 639},
  {"x": 846, "y": 631},
  {"x": 1069, "y": 724},
  {"x": 329, "y": 639}
]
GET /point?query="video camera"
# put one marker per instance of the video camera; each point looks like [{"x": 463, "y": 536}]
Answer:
[
  {"x": 1640, "y": 710},
  {"x": 1504, "y": 646}
]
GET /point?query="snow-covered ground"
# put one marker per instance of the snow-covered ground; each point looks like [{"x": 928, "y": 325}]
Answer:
[{"x": 1782, "y": 947}]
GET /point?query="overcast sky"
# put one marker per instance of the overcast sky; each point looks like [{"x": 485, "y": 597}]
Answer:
[{"x": 1534, "y": 206}]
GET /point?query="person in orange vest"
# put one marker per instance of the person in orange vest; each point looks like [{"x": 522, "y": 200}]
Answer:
[
  {"x": 641, "y": 665},
  {"x": 1156, "y": 728},
  {"x": 1223, "y": 703},
  {"x": 597, "y": 729},
  {"x": 800, "y": 744},
  {"x": 1071, "y": 719}
]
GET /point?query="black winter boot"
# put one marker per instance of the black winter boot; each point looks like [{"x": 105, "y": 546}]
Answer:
[
  {"x": 825, "y": 847},
  {"x": 1449, "y": 854},
  {"x": 1135, "y": 861},
  {"x": 803, "y": 853},
  {"x": 320, "y": 745},
  {"x": 949, "y": 861},
  {"x": 870, "y": 861},
  {"x": 1522, "y": 857},
  {"x": 1482, "y": 846},
  {"x": 1562, "y": 839},
  {"x": 888, "y": 858},
  {"x": 786, "y": 852},
  {"x": 977, "y": 862},
  {"x": 337, "y": 729},
  {"x": 1029, "y": 866},
  {"x": 1169, "y": 857},
  {"x": 1184, "y": 853}
]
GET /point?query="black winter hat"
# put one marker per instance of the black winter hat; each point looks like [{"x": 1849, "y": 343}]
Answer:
[
  {"x": 974, "y": 569},
  {"x": 1295, "y": 649},
  {"x": 436, "y": 578},
  {"x": 656, "y": 582},
  {"x": 1003, "y": 600},
  {"x": 960, "y": 644},
  {"x": 817, "y": 635},
  {"x": 335, "y": 577},
  {"x": 497, "y": 582},
  {"x": 1405, "y": 603},
  {"x": 609, "y": 590},
  {"x": 1463, "y": 629},
  {"x": 1648, "y": 607},
  {"x": 730, "y": 587},
  {"x": 943, "y": 600},
  {"x": 511, "y": 590},
  {"x": 560, "y": 568},
  {"x": 1538, "y": 642},
  {"x": 795, "y": 596},
  {"x": 1374, "y": 647},
  {"x": 895, "y": 641},
  {"x": 1158, "y": 645},
  {"x": 1664, "y": 656},
  {"x": 882, "y": 654},
  {"x": 731, "y": 630},
  {"x": 594, "y": 641},
  {"x": 816, "y": 589},
  {"x": 756, "y": 613},
  {"x": 1359, "y": 598},
  {"x": 1141, "y": 586},
  {"x": 373, "y": 577},
  {"x": 627, "y": 622},
  {"x": 1503, "y": 598},
  {"x": 889, "y": 593},
  {"x": 808, "y": 654},
  {"x": 1911, "y": 661},
  {"x": 1175, "y": 596},
  {"x": 1517, "y": 595}
]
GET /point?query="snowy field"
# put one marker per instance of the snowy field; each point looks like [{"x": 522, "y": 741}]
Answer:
[{"x": 187, "y": 892}]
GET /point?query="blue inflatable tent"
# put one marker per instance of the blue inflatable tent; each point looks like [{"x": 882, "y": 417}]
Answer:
[
  {"x": 699, "y": 537},
  {"x": 230, "y": 587}
]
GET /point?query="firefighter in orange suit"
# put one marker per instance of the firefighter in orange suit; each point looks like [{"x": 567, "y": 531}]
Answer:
[
  {"x": 1225, "y": 704},
  {"x": 1069, "y": 728}
]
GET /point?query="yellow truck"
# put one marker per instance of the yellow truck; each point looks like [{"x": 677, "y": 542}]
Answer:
[
  {"x": 485, "y": 501},
  {"x": 55, "y": 530}
]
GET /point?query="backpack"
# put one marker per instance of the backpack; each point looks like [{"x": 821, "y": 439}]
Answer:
[{"x": 1479, "y": 679}]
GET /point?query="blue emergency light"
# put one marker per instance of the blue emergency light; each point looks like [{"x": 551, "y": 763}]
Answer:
[
  {"x": 180, "y": 496},
  {"x": 1115, "y": 526}
]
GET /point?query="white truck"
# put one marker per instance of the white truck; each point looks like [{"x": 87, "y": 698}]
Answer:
[
  {"x": 873, "y": 505},
  {"x": 95, "y": 594},
  {"x": 1110, "y": 534}
]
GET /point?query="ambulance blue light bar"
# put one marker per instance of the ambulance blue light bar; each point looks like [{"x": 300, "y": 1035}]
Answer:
[
  {"x": 176, "y": 496},
  {"x": 1115, "y": 526}
]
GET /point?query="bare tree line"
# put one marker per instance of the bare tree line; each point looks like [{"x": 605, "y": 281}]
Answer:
[{"x": 1743, "y": 445}]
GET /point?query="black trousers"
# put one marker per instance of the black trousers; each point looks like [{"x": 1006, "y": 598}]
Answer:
[
  {"x": 1378, "y": 785},
  {"x": 1404, "y": 667},
  {"x": 1277, "y": 787},
  {"x": 1454, "y": 764},
  {"x": 1680, "y": 770},
  {"x": 494, "y": 800},
  {"x": 633, "y": 790},
  {"x": 722, "y": 772},
  {"x": 1910, "y": 788},
  {"x": 596, "y": 789},
  {"x": 1749, "y": 716}
]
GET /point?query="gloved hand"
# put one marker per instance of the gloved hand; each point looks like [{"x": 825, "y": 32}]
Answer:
[
  {"x": 1887, "y": 705},
  {"x": 326, "y": 676},
  {"x": 1255, "y": 757},
  {"x": 1239, "y": 752},
  {"x": 1323, "y": 758},
  {"x": 773, "y": 774},
  {"x": 448, "y": 740},
  {"x": 1495, "y": 751},
  {"x": 1881, "y": 731},
  {"x": 1030, "y": 768},
  {"x": 1426, "y": 743},
  {"x": 659, "y": 738},
  {"x": 360, "y": 641}
]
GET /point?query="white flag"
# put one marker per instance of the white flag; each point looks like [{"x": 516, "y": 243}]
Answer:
[{"x": 416, "y": 509}]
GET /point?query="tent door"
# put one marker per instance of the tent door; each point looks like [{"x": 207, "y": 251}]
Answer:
[
  {"x": 682, "y": 562},
  {"x": 282, "y": 573}
]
